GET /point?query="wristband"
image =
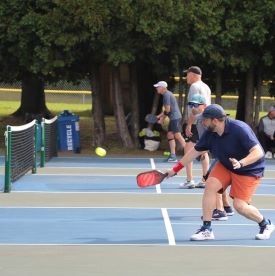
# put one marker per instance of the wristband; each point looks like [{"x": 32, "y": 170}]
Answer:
[{"x": 177, "y": 167}]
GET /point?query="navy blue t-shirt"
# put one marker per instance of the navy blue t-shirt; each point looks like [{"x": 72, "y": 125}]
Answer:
[{"x": 236, "y": 141}]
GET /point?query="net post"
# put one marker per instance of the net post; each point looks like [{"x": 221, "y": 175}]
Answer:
[
  {"x": 42, "y": 152},
  {"x": 7, "y": 134},
  {"x": 34, "y": 167}
]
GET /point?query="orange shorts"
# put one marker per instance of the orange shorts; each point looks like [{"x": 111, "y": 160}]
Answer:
[{"x": 242, "y": 186}]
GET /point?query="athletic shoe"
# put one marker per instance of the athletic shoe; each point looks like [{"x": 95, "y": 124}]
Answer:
[
  {"x": 229, "y": 211},
  {"x": 265, "y": 231},
  {"x": 188, "y": 184},
  {"x": 172, "y": 158},
  {"x": 219, "y": 215},
  {"x": 201, "y": 184},
  {"x": 203, "y": 234},
  {"x": 268, "y": 155}
]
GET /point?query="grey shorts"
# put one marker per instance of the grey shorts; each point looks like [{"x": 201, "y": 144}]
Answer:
[{"x": 175, "y": 126}]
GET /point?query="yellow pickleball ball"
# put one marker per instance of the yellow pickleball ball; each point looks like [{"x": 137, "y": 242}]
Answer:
[{"x": 100, "y": 151}]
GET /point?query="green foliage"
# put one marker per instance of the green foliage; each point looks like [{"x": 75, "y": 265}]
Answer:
[{"x": 61, "y": 39}]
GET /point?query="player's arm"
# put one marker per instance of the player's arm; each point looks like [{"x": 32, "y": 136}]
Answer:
[
  {"x": 165, "y": 112},
  {"x": 255, "y": 153},
  {"x": 186, "y": 159}
]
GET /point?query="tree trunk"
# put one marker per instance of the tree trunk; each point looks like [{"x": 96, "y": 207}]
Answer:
[
  {"x": 258, "y": 98},
  {"x": 218, "y": 99},
  {"x": 181, "y": 90},
  {"x": 119, "y": 111},
  {"x": 134, "y": 125},
  {"x": 97, "y": 109},
  {"x": 146, "y": 91},
  {"x": 186, "y": 89},
  {"x": 105, "y": 87},
  {"x": 241, "y": 99},
  {"x": 155, "y": 104},
  {"x": 249, "y": 97},
  {"x": 33, "y": 104}
]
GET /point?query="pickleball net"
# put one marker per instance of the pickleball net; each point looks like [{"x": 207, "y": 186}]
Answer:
[
  {"x": 49, "y": 139},
  {"x": 23, "y": 143},
  {"x": 20, "y": 156}
]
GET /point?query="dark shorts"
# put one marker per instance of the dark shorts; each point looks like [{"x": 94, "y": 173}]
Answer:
[
  {"x": 175, "y": 126},
  {"x": 194, "y": 138}
]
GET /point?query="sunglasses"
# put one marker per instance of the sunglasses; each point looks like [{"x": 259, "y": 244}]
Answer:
[{"x": 195, "y": 105}]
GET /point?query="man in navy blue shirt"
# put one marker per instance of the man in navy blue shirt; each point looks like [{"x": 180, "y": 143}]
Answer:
[{"x": 240, "y": 165}]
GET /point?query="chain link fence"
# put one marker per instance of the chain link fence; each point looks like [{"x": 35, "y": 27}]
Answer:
[
  {"x": 60, "y": 92},
  {"x": 80, "y": 93}
]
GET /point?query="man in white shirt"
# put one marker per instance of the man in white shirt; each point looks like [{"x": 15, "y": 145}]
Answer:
[{"x": 197, "y": 86}]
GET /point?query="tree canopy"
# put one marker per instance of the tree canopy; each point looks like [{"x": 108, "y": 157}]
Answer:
[{"x": 64, "y": 39}]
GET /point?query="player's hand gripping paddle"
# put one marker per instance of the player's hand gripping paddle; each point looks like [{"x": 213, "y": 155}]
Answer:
[
  {"x": 151, "y": 118},
  {"x": 150, "y": 178}
]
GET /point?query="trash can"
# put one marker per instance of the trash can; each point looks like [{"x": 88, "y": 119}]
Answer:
[{"x": 68, "y": 132}]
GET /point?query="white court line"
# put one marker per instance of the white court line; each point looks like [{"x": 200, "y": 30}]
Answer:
[
  {"x": 167, "y": 222},
  {"x": 97, "y": 167},
  {"x": 131, "y": 193},
  {"x": 137, "y": 245},
  {"x": 153, "y": 166},
  {"x": 217, "y": 224}
]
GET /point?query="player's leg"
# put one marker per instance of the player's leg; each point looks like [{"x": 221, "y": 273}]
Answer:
[
  {"x": 218, "y": 180},
  {"x": 205, "y": 166},
  {"x": 189, "y": 182},
  {"x": 172, "y": 143},
  {"x": 226, "y": 204},
  {"x": 180, "y": 139},
  {"x": 242, "y": 197},
  {"x": 172, "y": 146},
  {"x": 219, "y": 213},
  {"x": 177, "y": 129}
]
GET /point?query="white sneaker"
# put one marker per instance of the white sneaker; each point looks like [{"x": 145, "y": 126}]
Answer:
[
  {"x": 268, "y": 155},
  {"x": 201, "y": 184},
  {"x": 203, "y": 234},
  {"x": 188, "y": 184},
  {"x": 265, "y": 232}
]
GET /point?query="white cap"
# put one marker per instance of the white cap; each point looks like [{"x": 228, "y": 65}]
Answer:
[{"x": 161, "y": 84}]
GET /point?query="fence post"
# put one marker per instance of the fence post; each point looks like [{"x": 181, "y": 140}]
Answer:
[
  {"x": 7, "y": 134},
  {"x": 34, "y": 167},
  {"x": 42, "y": 152}
]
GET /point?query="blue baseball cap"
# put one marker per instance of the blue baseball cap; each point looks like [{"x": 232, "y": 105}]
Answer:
[
  {"x": 198, "y": 98},
  {"x": 213, "y": 111}
]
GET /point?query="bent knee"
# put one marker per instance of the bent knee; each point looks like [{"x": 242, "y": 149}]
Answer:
[
  {"x": 213, "y": 184},
  {"x": 239, "y": 205}
]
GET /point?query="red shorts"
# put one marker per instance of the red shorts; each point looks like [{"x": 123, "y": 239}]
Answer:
[{"x": 242, "y": 186}]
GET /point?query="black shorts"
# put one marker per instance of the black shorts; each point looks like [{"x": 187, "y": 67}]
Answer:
[
  {"x": 175, "y": 126},
  {"x": 194, "y": 138}
]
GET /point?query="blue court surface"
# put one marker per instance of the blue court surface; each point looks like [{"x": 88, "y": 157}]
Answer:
[
  {"x": 119, "y": 225},
  {"x": 131, "y": 226}
]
